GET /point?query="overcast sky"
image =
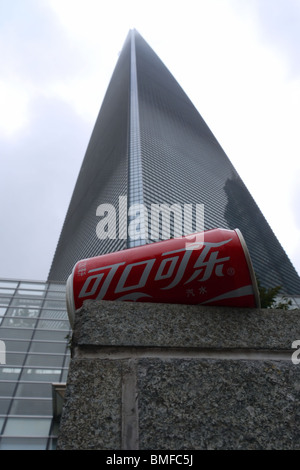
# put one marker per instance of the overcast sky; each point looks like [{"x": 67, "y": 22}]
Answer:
[{"x": 237, "y": 60}]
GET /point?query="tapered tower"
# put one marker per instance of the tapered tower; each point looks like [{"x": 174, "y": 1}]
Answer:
[{"x": 150, "y": 147}]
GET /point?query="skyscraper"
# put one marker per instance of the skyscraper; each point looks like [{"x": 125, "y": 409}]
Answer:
[{"x": 150, "y": 147}]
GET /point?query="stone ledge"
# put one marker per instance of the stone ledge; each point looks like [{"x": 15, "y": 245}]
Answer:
[
  {"x": 177, "y": 377},
  {"x": 107, "y": 323}
]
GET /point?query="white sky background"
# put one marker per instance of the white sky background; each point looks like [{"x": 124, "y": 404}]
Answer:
[{"x": 237, "y": 60}]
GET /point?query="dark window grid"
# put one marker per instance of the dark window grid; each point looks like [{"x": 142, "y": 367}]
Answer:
[{"x": 135, "y": 183}]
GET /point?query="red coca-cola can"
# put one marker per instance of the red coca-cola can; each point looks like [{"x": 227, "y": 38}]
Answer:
[{"x": 207, "y": 268}]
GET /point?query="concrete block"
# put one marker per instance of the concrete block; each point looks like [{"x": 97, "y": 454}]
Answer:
[{"x": 177, "y": 377}]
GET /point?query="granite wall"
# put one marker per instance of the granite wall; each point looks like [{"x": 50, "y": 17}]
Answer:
[{"x": 172, "y": 377}]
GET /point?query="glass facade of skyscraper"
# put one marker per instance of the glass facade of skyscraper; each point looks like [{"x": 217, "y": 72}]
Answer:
[
  {"x": 34, "y": 330},
  {"x": 151, "y": 147}
]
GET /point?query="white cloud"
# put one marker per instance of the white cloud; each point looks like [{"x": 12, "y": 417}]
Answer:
[{"x": 13, "y": 108}]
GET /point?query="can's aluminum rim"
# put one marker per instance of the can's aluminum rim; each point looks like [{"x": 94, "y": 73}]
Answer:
[
  {"x": 70, "y": 299},
  {"x": 250, "y": 267}
]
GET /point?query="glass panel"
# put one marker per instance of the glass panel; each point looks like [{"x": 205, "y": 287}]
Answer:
[
  {"x": 55, "y": 314},
  {"x": 9, "y": 373},
  {"x": 52, "y": 443},
  {"x": 27, "y": 427},
  {"x": 56, "y": 295},
  {"x": 12, "y": 345},
  {"x": 33, "y": 285},
  {"x": 53, "y": 324},
  {"x": 14, "y": 359},
  {"x": 22, "y": 333},
  {"x": 52, "y": 335},
  {"x": 64, "y": 375},
  {"x": 41, "y": 375},
  {"x": 24, "y": 315},
  {"x": 8, "y": 284},
  {"x": 2, "y": 313},
  {"x": 14, "y": 443},
  {"x": 1, "y": 424},
  {"x": 67, "y": 361},
  {"x": 7, "y": 388},
  {"x": 48, "y": 347},
  {"x": 26, "y": 302},
  {"x": 30, "y": 294},
  {"x": 7, "y": 291},
  {"x": 32, "y": 406},
  {"x": 4, "y": 300},
  {"x": 56, "y": 304},
  {"x": 57, "y": 287},
  {"x": 38, "y": 390},
  {"x": 44, "y": 360},
  {"x": 19, "y": 320},
  {"x": 4, "y": 405}
]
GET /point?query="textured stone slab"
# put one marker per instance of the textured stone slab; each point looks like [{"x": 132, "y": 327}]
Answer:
[
  {"x": 91, "y": 416},
  {"x": 177, "y": 377},
  {"x": 181, "y": 404},
  {"x": 168, "y": 325},
  {"x": 212, "y": 404}
]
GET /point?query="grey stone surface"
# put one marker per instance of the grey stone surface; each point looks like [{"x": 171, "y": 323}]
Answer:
[
  {"x": 170, "y": 325},
  {"x": 214, "y": 404},
  {"x": 91, "y": 417},
  {"x": 172, "y": 377}
]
